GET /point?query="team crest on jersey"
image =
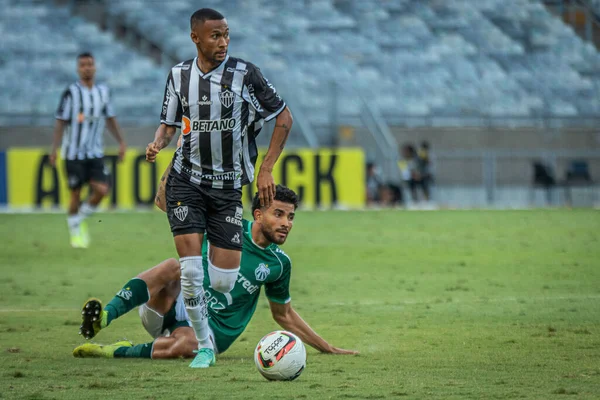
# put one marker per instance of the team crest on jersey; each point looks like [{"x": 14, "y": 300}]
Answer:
[
  {"x": 227, "y": 97},
  {"x": 181, "y": 212},
  {"x": 261, "y": 272}
]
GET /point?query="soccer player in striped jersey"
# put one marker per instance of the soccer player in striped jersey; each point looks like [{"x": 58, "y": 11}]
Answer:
[
  {"x": 157, "y": 293},
  {"x": 84, "y": 110},
  {"x": 220, "y": 103}
]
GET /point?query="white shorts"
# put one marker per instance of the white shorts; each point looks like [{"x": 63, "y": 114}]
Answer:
[{"x": 153, "y": 321}]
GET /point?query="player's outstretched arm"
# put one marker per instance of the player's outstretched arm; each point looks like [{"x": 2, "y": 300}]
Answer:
[
  {"x": 265, "y": 182},
  {"x": 290, "y": 320}
]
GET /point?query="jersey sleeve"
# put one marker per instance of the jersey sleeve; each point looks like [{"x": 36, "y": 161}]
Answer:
[
  {"x": 64, "y": 106},
  {"x": 279, "y": 290},
  {"x": 109, "y": 110},
  {"x": 171, "y": 109},
  {"x": 262, "y": 94}
]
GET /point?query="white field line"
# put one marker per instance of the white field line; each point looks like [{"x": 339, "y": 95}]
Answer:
[{"x": 368, "y": 303}]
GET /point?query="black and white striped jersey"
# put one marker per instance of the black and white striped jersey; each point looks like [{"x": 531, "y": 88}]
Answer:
[
  {"x": 220, "y": 113},
  {"x": 85, "y": 110}
]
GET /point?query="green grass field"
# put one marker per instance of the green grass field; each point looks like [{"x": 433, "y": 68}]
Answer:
[{"x": 444, "y": 305}]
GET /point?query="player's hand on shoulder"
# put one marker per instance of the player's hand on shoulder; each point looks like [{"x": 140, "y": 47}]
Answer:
[
  {"x": 151, "y": 151},
  {"x": 337, "y": 350}
]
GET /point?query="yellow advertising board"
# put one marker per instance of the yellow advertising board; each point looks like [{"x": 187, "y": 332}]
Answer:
[{"x": 321, "y": 177}]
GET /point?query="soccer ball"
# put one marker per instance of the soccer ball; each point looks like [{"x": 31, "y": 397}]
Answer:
[{"x": 280, "y": 356}]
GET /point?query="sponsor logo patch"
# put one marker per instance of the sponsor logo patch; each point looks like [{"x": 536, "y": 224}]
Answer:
[
  {"x": 204, "y": 101},
  {"x": 239, "y": 213},
  {"x": 241, "y": 71},
  {"x": 206, "y": 125}
]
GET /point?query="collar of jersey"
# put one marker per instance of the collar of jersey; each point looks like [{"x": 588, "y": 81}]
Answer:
[
  {"x": 78, "y": 83},
  {"x": 249, "y": 234},
  {"x": 208, "y": 74}
]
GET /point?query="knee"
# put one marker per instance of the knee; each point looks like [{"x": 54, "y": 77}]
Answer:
[
  {"x": 173, "y": 269},
  {"x": 191, "y": 271},
  {"x": 222, "y": 280},
  {"x": 102, "y": 189}
]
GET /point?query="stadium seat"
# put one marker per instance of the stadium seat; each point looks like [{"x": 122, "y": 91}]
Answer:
[{"x": 490, "y": 58}]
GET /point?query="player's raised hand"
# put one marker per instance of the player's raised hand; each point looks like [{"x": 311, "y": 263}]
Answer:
[
  {"x": 337, "y": 350},
  {"x": 266, "y": 187},
  {"x": 151, "y": 151}
]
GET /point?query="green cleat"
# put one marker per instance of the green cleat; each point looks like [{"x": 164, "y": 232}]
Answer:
[
  {"x": 94, "y": 350},
  {"x": 76, "y": 240},
  {"x": 84, "y": 235},
  {"x": 93, "y": 318},
  {"x": 204, "y": 358}
]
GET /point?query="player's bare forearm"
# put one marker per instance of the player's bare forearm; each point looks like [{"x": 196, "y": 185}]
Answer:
[
  {"x": 295, "y": 324},
  {"x": 290, "y": 320},
  {"x": 163, "y": 135},
  {"x": 161, "y": 198},
  {"x": 115, "y": 129},
  {"x": 59, "y": 128},
  {"x": 283, "y": 126}
]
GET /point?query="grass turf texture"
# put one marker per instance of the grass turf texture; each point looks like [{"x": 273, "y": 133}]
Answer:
[{"x": 448, "y": 305}]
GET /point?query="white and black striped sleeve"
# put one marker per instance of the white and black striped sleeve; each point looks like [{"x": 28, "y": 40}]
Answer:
[
  {"x": 171, "y": 109},
  {"x": 262, "y": 94},
  {"x": 64, "y": 106},
  {"x": 109, "y": 110}
]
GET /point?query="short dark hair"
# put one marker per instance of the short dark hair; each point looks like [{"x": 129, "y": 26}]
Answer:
[
  {"x": 282, "y": 193},
  {"x": 85, "y": 54},
  {"x": 425, "y": 144},
  {"x": 205, "y": 14}
]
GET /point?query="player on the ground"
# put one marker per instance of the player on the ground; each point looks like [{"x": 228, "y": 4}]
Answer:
[
  {"x": 220, "y": 103},
  {"x": 84, "y": 110},
  {"x": 157, "y": 292}
]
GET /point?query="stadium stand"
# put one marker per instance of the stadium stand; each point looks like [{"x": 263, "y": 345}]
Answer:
[
  {"x": 509, "y": 59},
  {"x": 37, "y": 61}
]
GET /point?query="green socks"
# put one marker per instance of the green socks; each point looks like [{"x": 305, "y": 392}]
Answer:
[
  {"x": 137, "y": 351},
  {"x": 134, "y": 293}
]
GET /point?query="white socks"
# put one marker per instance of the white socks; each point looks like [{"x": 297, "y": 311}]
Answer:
[
  {"x": 86, "y": 210},
  {"x": 75, "y": 220},
  {"x": 222, "y": 280},
  {"x": 192, "y": 276}
]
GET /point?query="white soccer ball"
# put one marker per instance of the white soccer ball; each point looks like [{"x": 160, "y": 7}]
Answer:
[{"x": 280, "y": 356}]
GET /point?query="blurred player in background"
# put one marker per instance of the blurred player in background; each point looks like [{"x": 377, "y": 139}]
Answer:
[
  {"x": 85, "y": 109},
  {"x": 158, "y": 293},
  {"x": 220, "y": 103}
]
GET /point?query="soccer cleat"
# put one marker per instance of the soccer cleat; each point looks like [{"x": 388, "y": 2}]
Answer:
[
  {"x": 93, "y": 318},
  {"x": 204, "y": 358},
  {"x": 84, "y": 235},
  {"x": 76, "y": 241},
  {"x": 94, "y": 350}
]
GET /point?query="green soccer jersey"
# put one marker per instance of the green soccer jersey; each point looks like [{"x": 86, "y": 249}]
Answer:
[{"x": 230, "y": 313}]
